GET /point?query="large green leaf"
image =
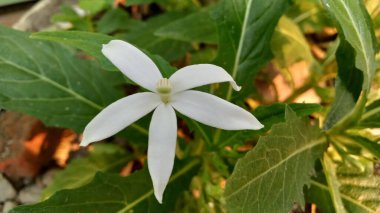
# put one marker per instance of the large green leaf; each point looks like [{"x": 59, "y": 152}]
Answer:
[
  {"x": 92, "y": 43},
  {"x": 355, "y": 56},
  {"x": 113, "y": 193},
  {"x": 271, "y": 177},
  {"x": 102, "y": 158},
  {"x": 245, "y": 31},
  {"x": 355, "y": 25},
  {"x": 196, "y": 27},
  {"x": 49, "y": 82}
]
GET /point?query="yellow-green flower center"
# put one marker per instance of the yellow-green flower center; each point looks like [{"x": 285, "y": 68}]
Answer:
[{"x": 164, "y": 89}]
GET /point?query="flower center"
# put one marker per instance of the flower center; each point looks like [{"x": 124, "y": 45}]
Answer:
[{"x": 164, "y": 88}]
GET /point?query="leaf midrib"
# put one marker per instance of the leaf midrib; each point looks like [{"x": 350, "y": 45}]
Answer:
[
  {"x": 363, "y": 48},
  {"x": 308, "y": 146},
  {"x": 55, "y": 84}
]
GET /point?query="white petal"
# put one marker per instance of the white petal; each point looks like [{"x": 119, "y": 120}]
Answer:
[
  {"x": 161, "y": 149},
  {"x": 214, "y": 111},
  {"x": 133, "y": 63},
  {"x": 199, "y": 75},
  {"x": 119, "y": 115}
]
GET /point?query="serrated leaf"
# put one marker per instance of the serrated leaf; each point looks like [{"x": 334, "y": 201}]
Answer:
[
  {"x": 271, "y": 177},
  {"x": 101, "y": 158},
  {"x": 49, "y": 82},
  {"x": 113, "y": 193},
  {"x": 196, "y": 27},
  {"x": 245, "y": 31}
]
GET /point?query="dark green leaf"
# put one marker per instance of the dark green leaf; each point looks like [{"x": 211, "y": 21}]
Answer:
[
  {"x": 143, "y": 36},
  {"x": 271, "y": 177},
  {"x": 196, "y": 27},
  {"x": 102, "y": 158},
  {"x": 355, "y": 56},
  {"x": 114, "y": 20},
  {"x": 47, "y": 81},
  {"x": 113, "y": 193}
]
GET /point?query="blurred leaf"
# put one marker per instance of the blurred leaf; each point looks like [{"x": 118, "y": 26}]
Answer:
[
  {"x": 113, "y": 193},
  {"x": 359, "y": 192},
  {"x": 203, "y": 56},
  {"x": 47, "y": 81},
  {"x": 196, "y": 27},
  {"x": 143, "y": 36},
  {"x": 289, "y": 44},
  {"x": 371, "y": 116},
  {"x": 114, "y": 20},
  {"x": 245, "y": 31},
  {"x": 68, "y": 15},
  {"x": 372, "y": 146},
  {"x": 271, "y": 177},
  {"x": 309, "y": 15},
  {"x": 92, "y": 6},
  {"x": 101, "y": 158}
]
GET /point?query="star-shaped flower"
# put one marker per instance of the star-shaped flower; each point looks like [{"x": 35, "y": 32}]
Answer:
[{"x": 165, "y": 95}]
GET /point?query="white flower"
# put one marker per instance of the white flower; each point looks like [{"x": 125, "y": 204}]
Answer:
[{"x": 165, "y": 96}]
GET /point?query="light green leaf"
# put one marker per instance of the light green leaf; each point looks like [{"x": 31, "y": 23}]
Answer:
[
  {"x": 245, "y": 31},
  {"x": 196, "y": 27},
  {"x": 101, "y": 158},
  {"x": 333, "y": 183},
  {"x": 49, "y": 82},
  {"x": 289, "y": 44},
  {"x": 264, "y": 180},
  {"x": 113, "y": 193}
]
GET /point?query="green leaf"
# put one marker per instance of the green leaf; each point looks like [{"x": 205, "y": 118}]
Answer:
[
  {"x": 355, "y": 26},
  {"x": 333, "y": 183},
  {"x": 92, "y": 6},
  {"x": 371, "y": 116},
  {"x": 49, "y": 82},
  {"x": 114, "y": 20},
  {"x": 372, "y": 146},
  {"x": 196, "y": 27},
  {"x": 268, "y": 116},
  {"x": 92, "y": 43},
  {"x": 289, "y": 44},
  {"x": 359, "y": 192},
  {"x": 245, "y": 31},
  {"x": 89, "y": 42},
  {"x": 348, "y": 85},
  {"x": 101, "y": 158},
  {"x": 113, "y": 193},
  {"x": 271, "y": 177},
  {"x": 144, "y": 37}
]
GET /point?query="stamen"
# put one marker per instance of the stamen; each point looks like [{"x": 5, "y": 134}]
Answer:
[{"x": 164, "y": 88}]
